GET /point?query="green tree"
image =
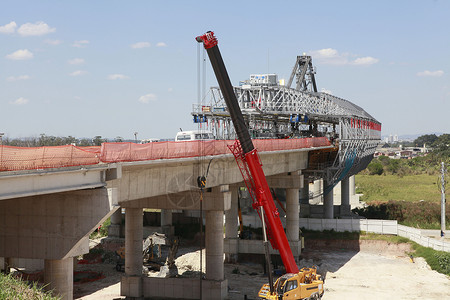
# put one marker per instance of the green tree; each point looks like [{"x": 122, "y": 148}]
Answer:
[
  {"x": 375, "y": 168},
  {"x": 98, "y": 140},
  {"x": 428, "y": 139}
]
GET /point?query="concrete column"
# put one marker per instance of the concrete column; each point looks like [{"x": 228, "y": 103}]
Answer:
[
  {"x": 231, "y": 227},
  {"x": 231, "y": 215},
  {"x": 214, "y": 245},
  {"x": 352, "y": 185},
  {"x": 328, "y": 205},
  {"x": 58, "y": 276},
  {"x": 345, "y": 197},
  {"x": 317, "y": 190},
  {"x": 133, "y": 241},
  {"x": 166, "y": 217},
  {"x": 166, "y": 222},
  {"x": 116, "y": 224},
  {"x": 292, "y": 215},
  {"x": 304, "y": 192}
]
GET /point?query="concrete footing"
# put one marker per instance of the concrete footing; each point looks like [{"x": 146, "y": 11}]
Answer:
[{"x": 184, "y": 288}]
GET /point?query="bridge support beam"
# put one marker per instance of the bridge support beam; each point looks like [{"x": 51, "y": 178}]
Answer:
[
  {"x": 345, "y": 197},
  {"x": 131, "y": 283},
  {"x": 328, "y": 205},
  {"x": 58, "y": 276},
  {"x": 231, "y": 226}
]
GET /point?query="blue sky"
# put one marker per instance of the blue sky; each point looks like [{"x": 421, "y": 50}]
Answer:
[{"x": 112, "y": 68}]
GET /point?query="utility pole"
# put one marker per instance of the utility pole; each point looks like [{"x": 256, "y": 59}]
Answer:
[{"x": 442, "y": 199}]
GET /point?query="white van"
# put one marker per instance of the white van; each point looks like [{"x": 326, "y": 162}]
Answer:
[{"x": 194, "y": 135}]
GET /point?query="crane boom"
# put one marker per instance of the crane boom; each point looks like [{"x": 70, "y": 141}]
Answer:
[{"x": 248, "y": 159}]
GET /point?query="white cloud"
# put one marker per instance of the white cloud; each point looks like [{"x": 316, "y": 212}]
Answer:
[
  {"x": 161, "y": 44},
  {"x": 170, "y": 90},
  {"x": 330, "y": 56},
  {"x": 365, "y": 61},
  {"x": 77, "y": 73},
  {"x": 22, "y": 54},
  {"x": 323, "y": 90},
  {"x": 80, "y": 44},
  {"x": 427, "y": 73},
  {"x": 53, "y": 42},
  {"x": 117, "y": 76},
  {"x": 140, "y": 45},
  {"x": 76, "y": 61},
  {"x": 8, "y": 28},
  {"x": 147, "y": 98},
  {"x": 15, "y": 78},
  {"x": 19, "y": 101},
  {"x": 36, "y": 29}
]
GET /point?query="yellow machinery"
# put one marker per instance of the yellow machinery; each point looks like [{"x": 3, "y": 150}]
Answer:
[{"x": 306, "y": 284}]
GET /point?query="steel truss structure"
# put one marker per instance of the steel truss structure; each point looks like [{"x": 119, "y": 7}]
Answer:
[{"x": 276, "y": 111}]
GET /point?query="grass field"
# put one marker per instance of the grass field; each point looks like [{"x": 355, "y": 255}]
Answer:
[{"x": 382, "y": 188}]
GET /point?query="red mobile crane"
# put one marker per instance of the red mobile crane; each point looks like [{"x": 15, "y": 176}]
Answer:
[{"x": 305, "y": 284}]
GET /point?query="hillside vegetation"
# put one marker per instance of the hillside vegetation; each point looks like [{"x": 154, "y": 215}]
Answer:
[{"x": 407, "y": 190}]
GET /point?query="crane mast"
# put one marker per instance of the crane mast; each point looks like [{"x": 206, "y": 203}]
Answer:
[{"x": 248, "y": 158}]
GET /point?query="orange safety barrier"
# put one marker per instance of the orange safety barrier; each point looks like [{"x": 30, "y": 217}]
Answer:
[
  {"x": 22, "y": 158},
  {"x": 121, "y": 152}
]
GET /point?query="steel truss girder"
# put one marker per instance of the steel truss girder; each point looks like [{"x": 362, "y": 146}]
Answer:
[{"x": 269, "y": 108}]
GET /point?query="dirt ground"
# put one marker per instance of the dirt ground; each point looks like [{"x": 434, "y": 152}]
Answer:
[{"x": 377, "y": 271}]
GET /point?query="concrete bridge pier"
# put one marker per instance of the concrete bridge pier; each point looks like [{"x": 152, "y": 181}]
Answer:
[
  {"x": 292, "y": 183},
  {"x": 231, "y": 226},
  {"x": 116, "y": 224},
  {"x": 214, "y": 245},
  {"x": 328, "y": 205},
  {"x": 131, "y": 284},
  {"x": 166, "y": 222},
  {"x": 58, "y": 274},
  {"x": 352, "y": 185},
  {"x": 304, "y": 198},
  {"x": 292, "y": 218},
  {"x": 345, "y": 209},
  {"x": 317, "y": 191},
  {"x": 136, "y": 285}
]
